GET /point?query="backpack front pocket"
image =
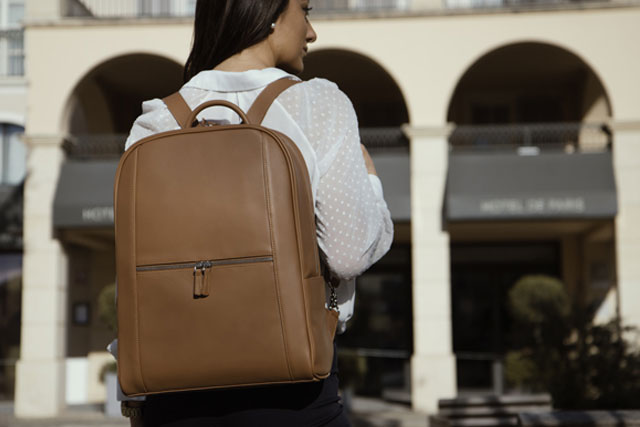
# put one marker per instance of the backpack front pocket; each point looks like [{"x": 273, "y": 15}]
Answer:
[{"x": 189, "y": 341}]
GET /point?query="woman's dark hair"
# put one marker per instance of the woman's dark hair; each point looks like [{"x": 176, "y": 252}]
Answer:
[{"x": 225, "y": 27}]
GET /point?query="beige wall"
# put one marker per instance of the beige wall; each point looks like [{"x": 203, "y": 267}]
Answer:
[
  {"x": 426, "y": 55},
  {"x": 627, "y": 167},
  {"x": 52, "y": 86}
]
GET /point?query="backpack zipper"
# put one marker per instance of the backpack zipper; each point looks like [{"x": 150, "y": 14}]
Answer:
[
  {"x": 211, "y": 263},
  {"x": 201, "y": 283}
]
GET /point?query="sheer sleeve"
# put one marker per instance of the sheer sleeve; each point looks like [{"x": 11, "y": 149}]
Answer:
[
  {"x": 155, "y": 118},
  {"x": 354, "y": 225}
]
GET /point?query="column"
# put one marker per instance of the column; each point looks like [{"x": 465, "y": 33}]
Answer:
[
  {"x": 626, "y": 162},
  {"x": 433, "y": 369},
  {"x": 40, "y": 371}
]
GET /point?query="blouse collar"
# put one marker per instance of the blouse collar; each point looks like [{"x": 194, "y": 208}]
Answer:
[{"x": 231, "y": 81}]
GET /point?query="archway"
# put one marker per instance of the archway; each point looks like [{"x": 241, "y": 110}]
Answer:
[
  {"x": 108, "y": 99},
  {"x": 527, "y": 83},
  {"x": 99, "y": 114},
  {"x": 530, "y": 191},
  {"x": 375, "y": 95}
]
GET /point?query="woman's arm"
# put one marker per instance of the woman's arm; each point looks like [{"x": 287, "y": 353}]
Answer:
[
  {"x": 371, "y": 168},
  {"x": 354, "y": 225}
]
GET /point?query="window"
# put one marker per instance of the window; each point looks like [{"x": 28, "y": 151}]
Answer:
[
  {"x": 167, "y": 7},
  {"x": 11, "y": 38},
  {"x": 11, "y": 13},
  {"x": 13, "y": 154},
  {"x": 329, "y": 6},
  {"x": 15, "y": 13},
  {"x": 15, "y": 55}
]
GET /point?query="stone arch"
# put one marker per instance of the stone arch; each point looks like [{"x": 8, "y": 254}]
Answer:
[
  {"x": 374, "y": 92},
  {"x": 521, "y": 74},
  {"x": 108, "y": 98}
]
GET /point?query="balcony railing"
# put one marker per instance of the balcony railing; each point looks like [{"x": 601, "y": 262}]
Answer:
[
  {"x": 11, "y": 52},
  {"x": 87, "y": 147},
  {"x": 349, "y": 6},
  {"x": 132, "y": 9},
  {"x": 522, "y": 138},
  {"x": 532, "y": 138},
  {"x": 519, "y": 4},
  {"x": 105, "y": 146},
  {"x": 186, "y": 8},
  {"x": 107, "y": 9}
]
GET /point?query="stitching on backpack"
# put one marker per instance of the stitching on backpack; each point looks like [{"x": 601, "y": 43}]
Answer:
[
  {"x": 136, "y": 320},
  {"x": 266, "y": 183},
  {"x": 299, "y": 244}
]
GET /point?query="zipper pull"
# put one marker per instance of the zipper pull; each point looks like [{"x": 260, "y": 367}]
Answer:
[
  {"x": 206, "y": 279},
  {"x": 197, "y": 280},
  {"x": 200, "y": 279}
]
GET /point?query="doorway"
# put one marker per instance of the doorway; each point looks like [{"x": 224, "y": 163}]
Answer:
[{"x": 481, "y": 276}]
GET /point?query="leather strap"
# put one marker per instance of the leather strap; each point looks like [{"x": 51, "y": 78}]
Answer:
[
  {"x": 262, "y": 103},
  {"x": 179, "y": 108}
]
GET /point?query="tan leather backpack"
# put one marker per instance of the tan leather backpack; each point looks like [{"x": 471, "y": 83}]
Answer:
[{"x": 219, "y": 277}]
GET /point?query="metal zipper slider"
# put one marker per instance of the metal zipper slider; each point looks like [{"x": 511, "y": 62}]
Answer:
[{"x": 201, "y": 283}]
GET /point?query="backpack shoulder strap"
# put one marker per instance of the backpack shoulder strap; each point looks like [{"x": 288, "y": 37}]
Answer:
[
  {"x": 179, "y": 108},
  {"x": 262, "y": 103}
]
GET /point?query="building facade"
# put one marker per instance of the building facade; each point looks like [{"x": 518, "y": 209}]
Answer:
[
  {"x": 506, "y": 134},
  {"x": 13, "y": 99}
]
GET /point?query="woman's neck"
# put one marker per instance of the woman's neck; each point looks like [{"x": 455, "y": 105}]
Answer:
[{"x": 256, "y": 57}]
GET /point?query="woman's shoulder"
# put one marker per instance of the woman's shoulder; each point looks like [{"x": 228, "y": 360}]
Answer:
[
  {"x": 316, "y": 94},
  {"x": 319, "y": 87},
  {"x": 155, "y": 118},
  {"x": 319, "y": 83}
]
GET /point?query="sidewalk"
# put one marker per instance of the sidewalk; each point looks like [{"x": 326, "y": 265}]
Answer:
[{"x": 367, "y": 412}]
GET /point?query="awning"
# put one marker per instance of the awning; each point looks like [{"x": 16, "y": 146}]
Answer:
[
  {"x": 84, "y": 196},
  {"x": 484, "y": 186},
  {"x": 394, "y": 172}
]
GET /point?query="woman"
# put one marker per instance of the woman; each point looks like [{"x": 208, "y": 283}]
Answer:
[{"x": 239, "y": 47}]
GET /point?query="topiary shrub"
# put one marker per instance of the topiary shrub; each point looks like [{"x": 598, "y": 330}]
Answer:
[
  {"x": 107, "y": 307},
  {"x": 522, "y": 373},
  {"x": 560, "y": 350},
  {"x": 108, "y": 314},
  {"x": 538, "y": 299}
]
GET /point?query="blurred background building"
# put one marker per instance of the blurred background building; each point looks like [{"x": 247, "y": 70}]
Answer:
[
  {"x": 506, "y": 134},
  {"x": 13, "y": 102}
]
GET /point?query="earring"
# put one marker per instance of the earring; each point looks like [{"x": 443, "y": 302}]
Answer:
[{"x": 273, "y": 26}]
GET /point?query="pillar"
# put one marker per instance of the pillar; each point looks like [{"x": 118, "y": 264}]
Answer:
[
  {"x": 40, "y": 371},
  {"x": 626, "y": 161},
  {"x": 433, "y": 369}
]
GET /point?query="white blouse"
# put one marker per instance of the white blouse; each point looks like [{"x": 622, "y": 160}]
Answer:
[{"x": 354, "y": 227}]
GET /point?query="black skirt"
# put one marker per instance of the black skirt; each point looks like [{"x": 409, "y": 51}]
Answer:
[{"x": 298, "y": 405}]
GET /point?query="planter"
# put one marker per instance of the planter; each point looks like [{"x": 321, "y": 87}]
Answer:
[{"x": 112, "y": 405}]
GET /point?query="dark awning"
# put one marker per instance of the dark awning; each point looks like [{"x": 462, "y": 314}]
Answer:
[
  {"x": 484, "y": 186},
  {"x": 393, "y": 168},
  {"x": 84, "y": 197}
]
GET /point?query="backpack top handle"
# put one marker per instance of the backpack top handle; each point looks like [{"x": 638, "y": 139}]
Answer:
[{"x": 192, "y": 120}]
